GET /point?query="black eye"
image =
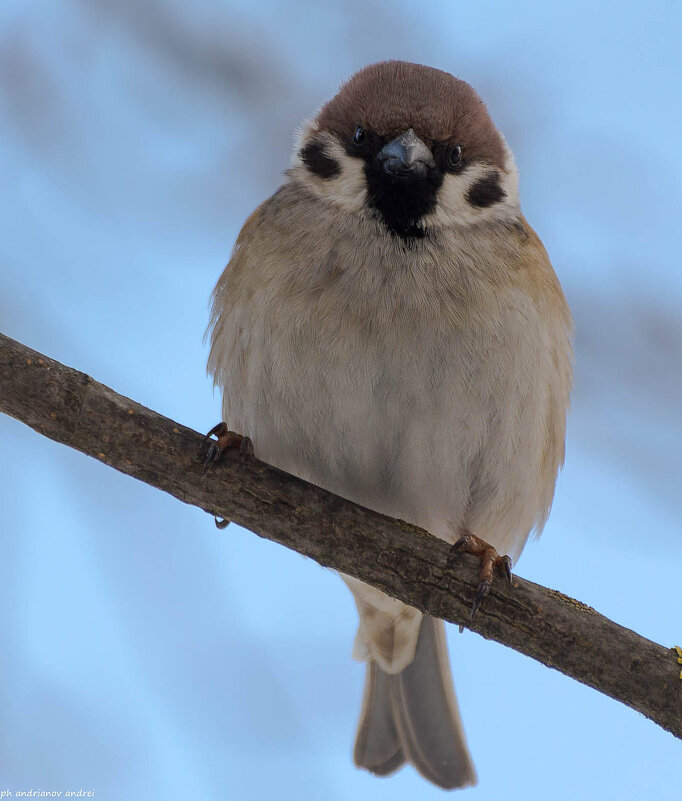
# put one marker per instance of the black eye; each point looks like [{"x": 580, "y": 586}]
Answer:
[
  {"x": 359, "y": 136},
  {"x": 455, "y": 159}
]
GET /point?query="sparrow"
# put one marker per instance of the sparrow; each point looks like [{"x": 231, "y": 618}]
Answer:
[{"x": 389, "y": 327}]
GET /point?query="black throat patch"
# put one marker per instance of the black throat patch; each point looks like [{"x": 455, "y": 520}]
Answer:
[{"x": 402, "y": 205}]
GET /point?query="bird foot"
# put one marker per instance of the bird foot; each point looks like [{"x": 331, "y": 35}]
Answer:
[
  {"x": 490, "y": 561},
  {"x": 225, "y": 439}
]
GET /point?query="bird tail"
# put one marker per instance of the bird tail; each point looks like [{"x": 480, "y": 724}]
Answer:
[{"x": 413, "y": 716}]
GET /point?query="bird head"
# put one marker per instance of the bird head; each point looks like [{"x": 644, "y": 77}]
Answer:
[{"x": 410, "y": 145}]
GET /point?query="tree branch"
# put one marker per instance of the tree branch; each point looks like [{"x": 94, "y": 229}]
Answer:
[{"x": 398, "y": 558}]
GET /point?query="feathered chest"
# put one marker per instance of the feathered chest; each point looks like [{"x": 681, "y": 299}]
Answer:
[{"x": 372, "y": 368}]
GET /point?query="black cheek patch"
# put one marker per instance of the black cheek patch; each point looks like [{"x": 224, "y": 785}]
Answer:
[
  {"x": 486, "y": 191},
  {"x": 318, "y": 162}
]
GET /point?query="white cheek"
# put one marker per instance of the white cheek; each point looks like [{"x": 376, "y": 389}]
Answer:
[
  {"x": 453, "y": 208},
  {"x": 304, "y": 132},
  {"x": 510, "y": 182},
  {"x": 347, "y": 189}
]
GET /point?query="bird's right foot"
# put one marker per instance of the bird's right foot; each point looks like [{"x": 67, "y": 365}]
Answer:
[{"x": 490, "y": 561}]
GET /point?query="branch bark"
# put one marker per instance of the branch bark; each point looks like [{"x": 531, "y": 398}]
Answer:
[{"x": 398, "y": 558}]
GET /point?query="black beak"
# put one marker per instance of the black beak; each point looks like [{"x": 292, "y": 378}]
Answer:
[{"x": 406, "y": 158}]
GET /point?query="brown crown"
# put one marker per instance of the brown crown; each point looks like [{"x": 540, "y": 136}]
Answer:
[{"x": 392, "y": 96}]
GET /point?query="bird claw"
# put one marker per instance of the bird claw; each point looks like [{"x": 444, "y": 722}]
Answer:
[
  {"x": 483, "y": 590},
  {"x": 505, "y": 565},
  {"x": 219, "y": 430},
  {"x": 490, "y": 559},
  {"x": 212, "y": 456},
  {"x": 246, "y": 448},
  {"x": 225, "y": 439}
]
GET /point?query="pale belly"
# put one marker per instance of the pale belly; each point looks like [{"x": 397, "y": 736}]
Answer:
[{"x": 437, "y": 428}]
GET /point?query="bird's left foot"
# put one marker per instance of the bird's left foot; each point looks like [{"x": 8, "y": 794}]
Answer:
[
  {"x": 225, "y": 439},
  {"x": 490, "y": 561}
]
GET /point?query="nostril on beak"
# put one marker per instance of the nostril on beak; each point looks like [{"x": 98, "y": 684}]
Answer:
[
  {"x": 404, "y": 169},
  {"x": 406, "y": 157}
]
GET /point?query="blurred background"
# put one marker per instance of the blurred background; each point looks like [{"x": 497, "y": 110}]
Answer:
[{"x": 144, "y": 654}]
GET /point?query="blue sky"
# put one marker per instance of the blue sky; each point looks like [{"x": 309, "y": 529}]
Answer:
[{"x": 146, "y": 655}]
